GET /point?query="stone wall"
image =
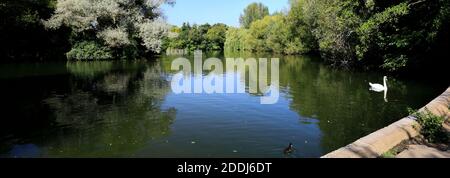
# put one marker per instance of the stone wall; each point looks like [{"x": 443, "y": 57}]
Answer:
[{"x": 381, "y": 141}]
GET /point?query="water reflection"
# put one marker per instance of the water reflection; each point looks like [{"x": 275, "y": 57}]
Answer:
[
  {"x": 25, "y": 151},
  {"x": 89, "y": 69},
  {"x": 122, "y": 109},
  {"x": 113, "y": 115},
  {"x": 341, "y": 100},
  {"x": 231, "y": 76}
]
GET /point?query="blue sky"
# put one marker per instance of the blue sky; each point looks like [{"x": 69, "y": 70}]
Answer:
[{"x": 214, "y": 11}]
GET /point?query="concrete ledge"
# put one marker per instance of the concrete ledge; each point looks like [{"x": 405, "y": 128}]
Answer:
[
  {"x": 422, "y": 151},
  {"x": 381, "y": 141}
]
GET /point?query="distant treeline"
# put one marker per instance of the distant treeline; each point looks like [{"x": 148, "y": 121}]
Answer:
[
  {"x": 395, "y": 35},
  {"x": 196, "y": 37}
]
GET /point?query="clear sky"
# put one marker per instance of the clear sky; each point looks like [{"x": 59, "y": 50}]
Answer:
[{"x": 214, "y": 11}]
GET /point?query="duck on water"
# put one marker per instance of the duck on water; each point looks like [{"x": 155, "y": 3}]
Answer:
[{"x": 289, "y": 149}]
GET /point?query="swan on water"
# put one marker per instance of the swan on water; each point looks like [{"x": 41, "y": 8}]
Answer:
[{"x": 379, "y": 88}]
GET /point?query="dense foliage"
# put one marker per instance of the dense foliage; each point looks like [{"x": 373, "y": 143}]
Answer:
[
  {"x": 122, "y": 26},
  {"x": 89, "y": 50},
  {"x": 390, "y": 35},
  {"x": 399, "y": 35},
  {"x": 431, "y": 126},
  {"x": 196, "y": 37},
  {"x": 101, "y": 29},
  {"x": 22, "y": 35}
]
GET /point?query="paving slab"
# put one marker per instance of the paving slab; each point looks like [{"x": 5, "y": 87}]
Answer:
[{"x": 422, "y": 151}]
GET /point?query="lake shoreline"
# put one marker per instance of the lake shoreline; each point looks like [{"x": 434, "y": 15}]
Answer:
[{"x": 383, "y": 140}]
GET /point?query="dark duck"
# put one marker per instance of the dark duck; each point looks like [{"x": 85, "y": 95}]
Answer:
[{"x": 289, "y": 149}]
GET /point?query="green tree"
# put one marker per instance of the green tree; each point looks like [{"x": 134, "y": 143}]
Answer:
[
  {"x": 197, "y": 37},
  {"x": 400, "y": 35},
  {"x": 235, "y": 39},
  {"x": 253, "y": 12},
  {"x": 119, "y": 25},
  {"x": 300, "y": 22},
  {"x": 216, "y": 36},
  {"x": 335, "y": 29},
  {"x": 390, "y": 35},
  {"x": 22, "y": 35},
  {"x": 267, "y": 34}
]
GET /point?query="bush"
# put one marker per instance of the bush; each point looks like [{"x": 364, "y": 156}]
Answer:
[
  {"x": 89, "y": 50},
  {"x": 431, "y": 126}
]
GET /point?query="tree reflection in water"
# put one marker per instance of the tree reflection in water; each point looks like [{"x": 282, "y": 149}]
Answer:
[
  {"x": 342, "y": 104},
  {"x": 116, "y": 119},
  {"x": 117, "y": 109}
]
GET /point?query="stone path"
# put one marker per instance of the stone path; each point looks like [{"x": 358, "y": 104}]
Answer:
[{"x": 423, "y": 151}]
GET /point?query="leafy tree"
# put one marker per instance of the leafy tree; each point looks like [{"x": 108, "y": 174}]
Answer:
[
  {"x": 23, "y": 37},
  {"x": 403, "y": 34},
  {"x": 253, "y": 12},
  {"x": 335, "y": 29},
  {"x": 201, "y": 37},
  {"x": 279, "y": 33},
  {"x": 89, "y": 50},
  {"x": 389, "y": 35},
  {"x": 216, "y": 36},
  {"x": 266, "y": 35},
  {"x": 117, "y": 24},
  {"x": 300, "y": 21},
  {"x": 235, "y": 39}
]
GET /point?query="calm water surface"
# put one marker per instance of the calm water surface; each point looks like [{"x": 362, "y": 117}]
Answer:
[{"x": 127, "y": 109}]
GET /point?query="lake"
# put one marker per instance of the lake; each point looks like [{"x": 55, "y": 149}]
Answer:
[{"x": 127, "y": 109}]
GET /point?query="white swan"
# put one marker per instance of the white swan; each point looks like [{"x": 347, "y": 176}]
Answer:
[{"x": 379, "y": 88}]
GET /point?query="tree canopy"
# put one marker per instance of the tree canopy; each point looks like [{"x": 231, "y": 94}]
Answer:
[
  {"x": 390, "y": 35},
  {"x": 22, "y": 35},
  {"x": 197, "y": 37},
  {"x": 119, "y": 25},
  {"x": 253, "y": 12}
]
